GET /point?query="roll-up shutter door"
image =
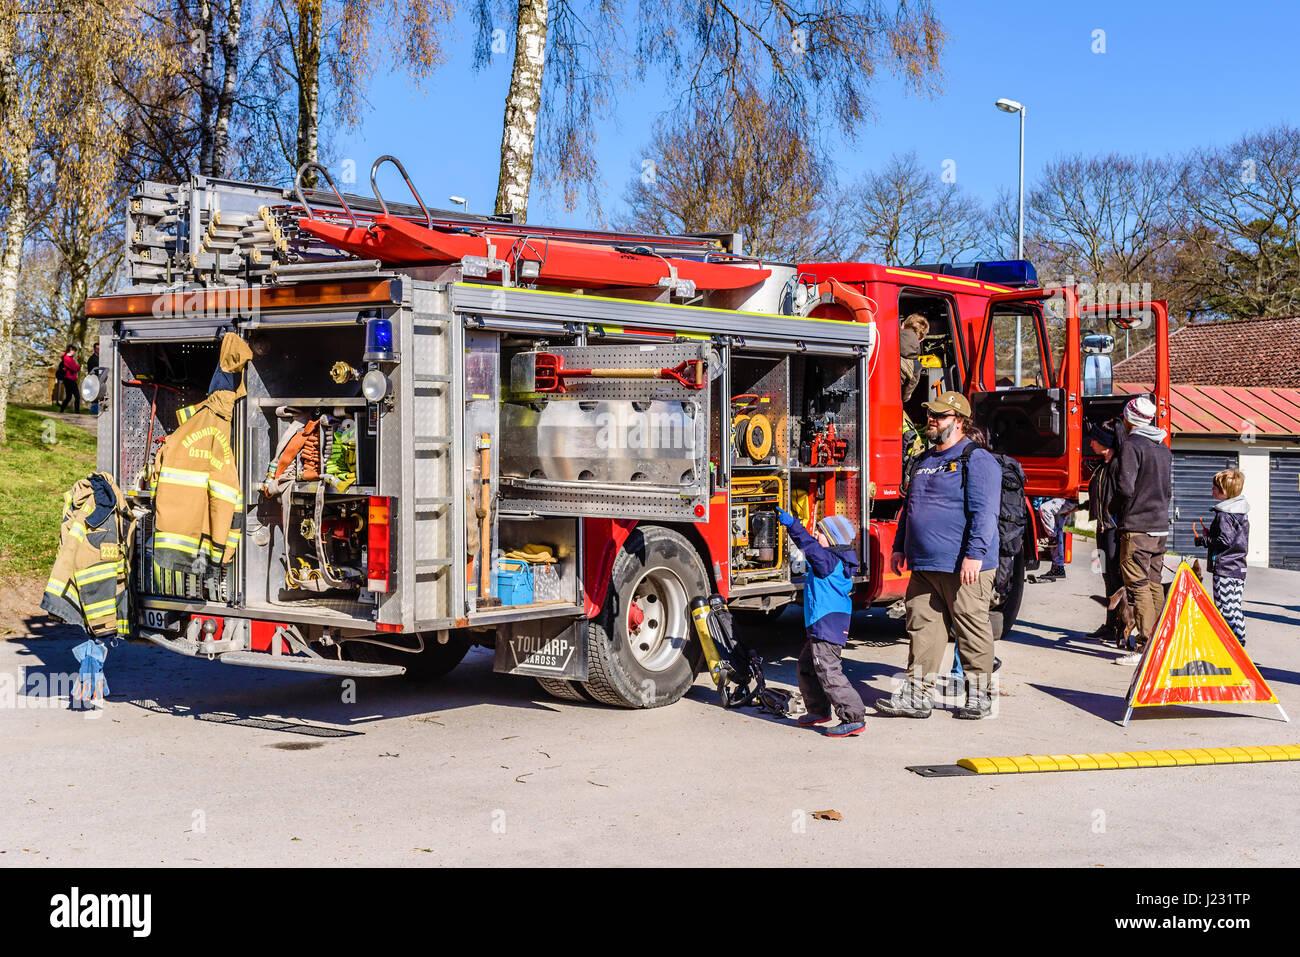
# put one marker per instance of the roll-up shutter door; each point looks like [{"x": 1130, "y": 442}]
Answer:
[
  {"x": 1193, "y": 496},
  {"x": 1284, "y": 510}
]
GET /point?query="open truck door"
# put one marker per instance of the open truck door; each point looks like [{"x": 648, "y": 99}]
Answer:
[
  {"x": 1100, "y": 401},
  {"x": 1030, "y": 409}
]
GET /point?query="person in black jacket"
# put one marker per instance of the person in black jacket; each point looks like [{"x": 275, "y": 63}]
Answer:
[
  {"x": 1104, "y": 439},
  {"x": 1228, "y": 541},
  {"x": 1143, "y": 485}
]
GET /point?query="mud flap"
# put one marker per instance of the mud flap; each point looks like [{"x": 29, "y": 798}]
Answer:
[{"x": 543, "y": 648}]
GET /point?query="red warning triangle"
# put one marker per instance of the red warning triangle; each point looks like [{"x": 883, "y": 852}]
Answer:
[{"x": 1194, "y": 657}]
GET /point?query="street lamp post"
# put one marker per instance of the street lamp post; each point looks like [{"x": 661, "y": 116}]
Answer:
[
  {"x": 1011, "y": 106},
  {"x": 460, "y": 201}
]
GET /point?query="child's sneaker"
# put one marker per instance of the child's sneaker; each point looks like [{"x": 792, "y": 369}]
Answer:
[
  {"x": 845, "y": 729},
  {"x": 1132, "y": 659},
  {"x": 810, "y": 719}
]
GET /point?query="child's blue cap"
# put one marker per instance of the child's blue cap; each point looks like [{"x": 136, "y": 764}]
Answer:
[{"x": 838, "y": 529}]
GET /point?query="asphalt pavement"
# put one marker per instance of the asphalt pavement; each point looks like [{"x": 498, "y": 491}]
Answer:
[{"x": 193, "y": 762}]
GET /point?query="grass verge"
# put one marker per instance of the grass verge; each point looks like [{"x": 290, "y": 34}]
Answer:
[{"x": 43, "y": 459}]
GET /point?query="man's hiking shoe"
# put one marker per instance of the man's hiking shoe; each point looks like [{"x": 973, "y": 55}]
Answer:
[
  {"x": 979, "y": 700},
  {"x": 899, "y": 706},
  {"x": 976, "y": 707},
  {"x": 1132, "y": 659},
  {"x": 810, "y": 719},
  {"x": 845, "y": 729}
]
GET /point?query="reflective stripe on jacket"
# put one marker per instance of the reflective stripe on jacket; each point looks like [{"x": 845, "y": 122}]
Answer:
[
  {"x": 198, "y": 505},
  {"x": 89, "y": 583}
]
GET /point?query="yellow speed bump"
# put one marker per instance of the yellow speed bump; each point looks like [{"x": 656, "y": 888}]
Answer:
[{"x": 1026, "y": 763}]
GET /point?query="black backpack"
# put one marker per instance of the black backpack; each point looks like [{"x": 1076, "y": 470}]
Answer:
[{"x": 1013, "y": 516}]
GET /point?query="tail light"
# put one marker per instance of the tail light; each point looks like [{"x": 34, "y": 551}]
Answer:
[{"x": 377, "y": 562}]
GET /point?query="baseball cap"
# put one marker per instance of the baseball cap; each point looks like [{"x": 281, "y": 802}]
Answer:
[{"x": 949, "y": 402}]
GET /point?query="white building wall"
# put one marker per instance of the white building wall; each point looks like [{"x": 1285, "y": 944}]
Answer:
[{"x": 1254, "y": 465}]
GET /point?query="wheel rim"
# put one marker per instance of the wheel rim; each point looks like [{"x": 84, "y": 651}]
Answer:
[{"x": 656, "y": 619}]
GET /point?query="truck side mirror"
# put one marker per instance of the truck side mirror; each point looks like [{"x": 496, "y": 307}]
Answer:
[
  {"x": 1098, "y": 343},
  {"x": 1097, "y": 379}
]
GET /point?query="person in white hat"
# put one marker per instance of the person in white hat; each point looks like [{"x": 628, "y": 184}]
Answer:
[{"x": 1142, "y": 491}]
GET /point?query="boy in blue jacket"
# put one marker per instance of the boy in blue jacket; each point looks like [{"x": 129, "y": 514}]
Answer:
[
  {"x": 1228, "y": 541},
  {"x": 827, "y": 607}
]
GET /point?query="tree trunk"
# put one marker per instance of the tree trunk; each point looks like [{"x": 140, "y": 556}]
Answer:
[
  {"x": 17, "y": 150},
  {"x": 226, "y": 98},
  {"x": 11, "y": 260},
  {"x": 308, "y": 56},
  {"x": 523, "y": 103},
  {"x": 207, "y": 85},
  {"x": 77, "y": 264}
]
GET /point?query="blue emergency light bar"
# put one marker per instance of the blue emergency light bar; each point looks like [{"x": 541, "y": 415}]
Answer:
[{"x": 1019, "y": 273}]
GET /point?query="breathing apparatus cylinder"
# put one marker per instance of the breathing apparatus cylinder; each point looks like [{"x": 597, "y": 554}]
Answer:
[{"x": 700, "y": 608}]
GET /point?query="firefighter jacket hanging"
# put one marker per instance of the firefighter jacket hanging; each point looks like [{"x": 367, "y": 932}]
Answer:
[
  {"x": 88, "y": 585},
  {"x": 198, "y": 505}
]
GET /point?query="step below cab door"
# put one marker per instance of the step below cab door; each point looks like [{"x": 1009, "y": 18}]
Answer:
[
  {"x": 1026, "y": 399},
  {"x": 608, "y": 431}
]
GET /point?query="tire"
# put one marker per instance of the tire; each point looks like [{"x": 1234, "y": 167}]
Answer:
[
  {"x": 654, "y": 663},
  {"x": 1003, "y": 616},
  {"x": 433, "y": 662},
  {"x": 562, "y": 688}
]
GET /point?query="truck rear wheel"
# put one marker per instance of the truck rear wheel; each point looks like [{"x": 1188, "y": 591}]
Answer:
[{"x": 642, "y": 652}]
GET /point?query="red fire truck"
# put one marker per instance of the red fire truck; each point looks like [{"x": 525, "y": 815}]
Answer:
[{"x": 559, "y": 438}]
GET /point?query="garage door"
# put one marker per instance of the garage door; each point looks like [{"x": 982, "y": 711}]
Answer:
[
  {"x": 1284, "y": 510},
  {"x": 1193, "y": 496}
]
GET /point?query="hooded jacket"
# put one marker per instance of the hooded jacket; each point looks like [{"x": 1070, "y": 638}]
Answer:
[
  {"x": 88, "y": 584},
  {"x": 827, "y": 601},
  {"x": 1143, "y": 482},
  {"x": 1229, "y": 538}
]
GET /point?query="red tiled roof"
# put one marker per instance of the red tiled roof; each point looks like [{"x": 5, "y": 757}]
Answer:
[
  {"x": 1245, "y": 352},
  {"x": 1215, "y": 410}
]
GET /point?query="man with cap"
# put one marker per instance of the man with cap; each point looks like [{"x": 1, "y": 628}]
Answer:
[
  {"x": 948, "y": 538},
  {"x": 1143, "y": 486},
  {"x": 827, "y": 608}
]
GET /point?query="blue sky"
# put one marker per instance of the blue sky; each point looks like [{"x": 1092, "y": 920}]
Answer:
[{"x": 1174, "y": 76}]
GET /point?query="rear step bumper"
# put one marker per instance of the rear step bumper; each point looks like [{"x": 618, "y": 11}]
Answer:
[
  {"x": 320, "y": 666},
  {"x": 260, "y": 659}
]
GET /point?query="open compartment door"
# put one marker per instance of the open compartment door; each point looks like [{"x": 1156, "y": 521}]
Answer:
[
  {"x": 1030, "y": 410},
  {"x": 608, "y": 431}
]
